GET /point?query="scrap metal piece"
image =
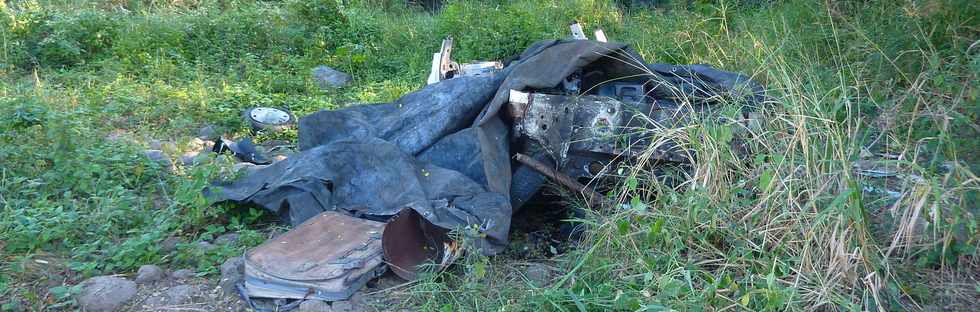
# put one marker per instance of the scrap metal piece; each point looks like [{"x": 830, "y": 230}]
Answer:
[
  {"x": 546, "y": 119},
  {"x": 577, "y": 32},
  {"x": 623, "y": 91},
  {"x": 243, "y": 149},
  {"x": 434, "y": 72},
  {"x": 328, "y": 257},
  {"x": 598, "y": 122},
  {"x": 446, "y": 64},
  {"x": 479, "y": 68},
  {"x": 443, "y": 67},
  {"x": 561, "y": 123},
  {"x": 410, "y": 241},
  {"x": 600, "y": 35}
]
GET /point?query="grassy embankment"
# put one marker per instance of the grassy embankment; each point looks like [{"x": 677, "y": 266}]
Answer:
[{"x": 889, "y": 84}]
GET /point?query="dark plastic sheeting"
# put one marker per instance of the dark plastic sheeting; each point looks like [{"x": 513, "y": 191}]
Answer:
[{"x": 444, "y": 150}]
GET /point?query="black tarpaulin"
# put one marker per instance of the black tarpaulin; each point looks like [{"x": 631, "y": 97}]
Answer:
[{"x": 444, "y": 150}]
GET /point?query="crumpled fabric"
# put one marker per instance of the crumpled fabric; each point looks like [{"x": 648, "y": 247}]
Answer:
[{"x": 445, "y": 150}]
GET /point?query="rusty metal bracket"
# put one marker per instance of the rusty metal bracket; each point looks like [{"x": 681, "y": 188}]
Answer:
[
  {"x": 594, "y": 198},
  {"x": 561, "y": 123}
]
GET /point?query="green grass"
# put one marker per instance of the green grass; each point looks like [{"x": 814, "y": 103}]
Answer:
[{"x": 790, "y": 227}]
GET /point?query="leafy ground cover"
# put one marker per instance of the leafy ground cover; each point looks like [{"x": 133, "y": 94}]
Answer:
[{"x": 883, "y": 86}]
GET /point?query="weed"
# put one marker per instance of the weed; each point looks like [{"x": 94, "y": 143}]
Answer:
[{"x": 784, "y": 222}]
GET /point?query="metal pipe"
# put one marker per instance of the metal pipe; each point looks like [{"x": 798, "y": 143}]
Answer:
[{"x": 591, "y": 196}]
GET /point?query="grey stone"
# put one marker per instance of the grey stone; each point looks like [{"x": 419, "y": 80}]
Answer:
[
  {"x": 539, "y": 274},
  {"x": 314, "y": 306},
  {"x": 105, "y": 293},
  {"x": 227, "y": 239},
  {"x": 169, "y": 244},
  {"x": 159, "y": 157},
  {"x": 189, "y": 158},
  {"x": 205, "y": 246},
  {"x": 358, "y": 299},
  {"x": 153, "y": 301},
  {"x": 117, "y": 136},
  {"x": 327, "y": 77},
  {"x": 177, "y": 295},
  {"x": 183, "y": 274},
  {"x": 345, "y": 306},
  {"x": 149, "y": 274},
  {"x": 197, "y": 145},
  {"x": 180, "y": 294},
  {"x": 232, "y": 272},
  {"x": 248, "y": 167},
  {"x": 207, "y": 132},
  {"x": 155, "y": 144},
  {"x": 169, "y": 147}
]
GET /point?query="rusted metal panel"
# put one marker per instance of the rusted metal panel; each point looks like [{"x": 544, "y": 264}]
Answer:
[
  {"x": 328, "y": 257},
  {"x": 560, "y": 123},
  {"x": 410, "y": 241}
]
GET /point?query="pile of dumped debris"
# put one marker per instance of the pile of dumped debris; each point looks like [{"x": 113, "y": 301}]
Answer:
[{"x": 396, "y": 185}]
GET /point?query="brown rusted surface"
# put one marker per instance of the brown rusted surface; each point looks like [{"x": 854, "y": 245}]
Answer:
[
  {"x": 517, "y": 104},
  {"x": 410, "y": 241},
  {"x": 331, "y": 255},
  {"x": 546, "y": 119}
]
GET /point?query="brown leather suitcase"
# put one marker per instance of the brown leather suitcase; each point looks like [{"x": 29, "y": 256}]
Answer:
[{"x": 328, "y": 257}]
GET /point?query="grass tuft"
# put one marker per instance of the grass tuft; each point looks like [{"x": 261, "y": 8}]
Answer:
[{"x": 853, "y": 188}]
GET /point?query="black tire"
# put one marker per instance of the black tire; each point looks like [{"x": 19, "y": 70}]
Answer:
[{"x": 258, "y": 125}]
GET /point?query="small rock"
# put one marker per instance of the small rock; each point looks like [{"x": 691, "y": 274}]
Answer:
[
  {"x": 344, "y": 306},
  {"x": 358, "y": 299},
  {"x": 314, "y": 306},
  {"x": 183, "y": 274},
  {"x": 177, "y": 295},
  {"x": 155, "y": 144},
  {"x": 180, "y": 294},
  {"x": 248, "y": 167},
  {"x": 227, "y": 239},
  {"x": 159, "y": 157},
  {"x": 232, "y": 272},
  {"x": 154, "y": 300},
  {"x": 117, "y": 135},
  {"x": 148, "y": 274},
  {"x": 207, "y": 132},
  {"x": 196, "y": 145},
  {"x": 205, "y": 246},
  {"x": 169, "y": 244},
  {"x": 189, "y": 158},
  {"x": 105, "y": 293},
  {"x": 169, "y": 148},
  {"x": 327, "y": 77},
  {"x": 539, "y": 274}
]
